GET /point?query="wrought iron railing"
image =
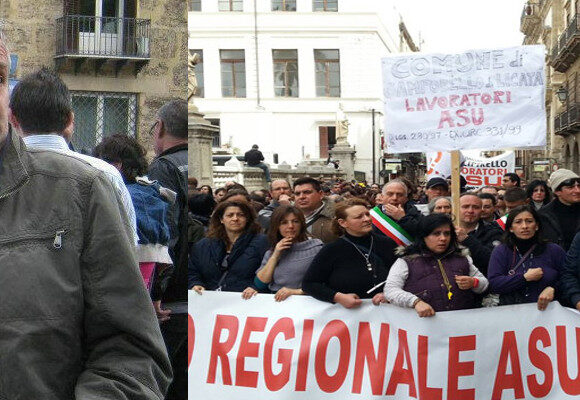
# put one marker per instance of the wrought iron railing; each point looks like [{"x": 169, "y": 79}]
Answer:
[{"x": 103, "y": 36}]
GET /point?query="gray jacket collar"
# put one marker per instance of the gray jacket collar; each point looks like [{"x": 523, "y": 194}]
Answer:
[{"x": 14, "y": 171}]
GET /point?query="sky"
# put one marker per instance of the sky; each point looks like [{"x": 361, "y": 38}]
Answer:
[{"x": 458, "y": 25}]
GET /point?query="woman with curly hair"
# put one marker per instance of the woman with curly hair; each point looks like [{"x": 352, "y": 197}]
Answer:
[{"x": 227, "y": 259}]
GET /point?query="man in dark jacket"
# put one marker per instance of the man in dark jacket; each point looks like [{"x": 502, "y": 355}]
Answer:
[
  {"x": 561, "y": 217},
  {"x": 281, "y": 194},
  {"x": 169, "y": 168},
  {"x": 396, "y": 206},
  {"x": 76, "y": 321},
  {"x": 570, "y": 280},
  {"x": 254, "y": 158},
  {"x": 318, "y": 212},
  {"x": 475, "y": 234}
]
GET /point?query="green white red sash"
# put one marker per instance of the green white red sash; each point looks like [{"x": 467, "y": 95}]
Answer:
[
  {"x": 501, "y": 221},
  {"x": 390, "y": 228}
]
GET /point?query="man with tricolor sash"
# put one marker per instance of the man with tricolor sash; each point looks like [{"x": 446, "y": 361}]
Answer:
[{"x": 395, "y": 217}]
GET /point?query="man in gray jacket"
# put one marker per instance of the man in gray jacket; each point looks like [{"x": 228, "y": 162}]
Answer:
[{"x": 75, "y": 319}]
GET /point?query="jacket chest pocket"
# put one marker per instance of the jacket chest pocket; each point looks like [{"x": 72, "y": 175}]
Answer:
[{"x": 53, "y": 239}]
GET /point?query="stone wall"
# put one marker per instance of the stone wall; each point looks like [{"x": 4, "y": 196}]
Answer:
[{"x": 30, "y": 27}]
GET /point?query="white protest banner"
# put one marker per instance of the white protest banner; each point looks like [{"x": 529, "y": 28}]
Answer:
[
  {"x": 478, "y": 99},
  {"x": 477, "y": 171},
  {"x": 305, "y": 349}
]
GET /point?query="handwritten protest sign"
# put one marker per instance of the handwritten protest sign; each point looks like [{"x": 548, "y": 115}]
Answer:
[
  {"x": 478, "y": 99},
  {"x": 304, "y": 349}
]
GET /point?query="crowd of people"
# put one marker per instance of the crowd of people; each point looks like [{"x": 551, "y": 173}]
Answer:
[{"x": 341, "y": 242}]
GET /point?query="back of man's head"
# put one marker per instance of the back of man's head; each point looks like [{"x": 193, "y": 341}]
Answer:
[
  {"x": 515, "y": 194},
  {"x": 173, "y": 115},
  {"x": 40, "y": 103}
]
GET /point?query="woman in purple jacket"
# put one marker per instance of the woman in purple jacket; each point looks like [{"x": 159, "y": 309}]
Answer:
[
  {"x": 434, "y": 273},
  {"x": 525, "y": 269}
]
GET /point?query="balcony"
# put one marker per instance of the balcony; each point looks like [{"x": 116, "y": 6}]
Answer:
[
  {"x": 119, "y": 41},
  {"x": 568, "y": 122},
  {"x": 567, "y": 49},
  {"x": 530, "y": 18}
]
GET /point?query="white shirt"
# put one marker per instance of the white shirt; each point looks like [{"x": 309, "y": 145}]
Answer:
[{"x": 57, "y": 143}]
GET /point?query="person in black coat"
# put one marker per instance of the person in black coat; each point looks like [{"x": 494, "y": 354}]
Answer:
[
  {"x": 570, "y": 278},
  {"x": 345, "y": 270},
  {"x": 227, "y": 259}
]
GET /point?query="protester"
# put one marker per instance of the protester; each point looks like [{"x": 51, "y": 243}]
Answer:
[
  {"x": 200, "y": 208},
  {"x": 514, "y": 197},
  {"x": 436, "y": 187},
  {"x": 350, "y": 268},
  {"x": 219, "y": 193},
  {"x": 395, "y": 205},
  {"x": 290, "y": 255},
  {"x": 525, "y": 269},
  {"x": 511, "y": 179},
  {"x": 205, "y": 189},
  {"x": 500, "y": 206},
  {"x": 561, "y": 217},
  {"x": 570, "y": 280},
  {"x": 49, "y": 125},
  {"x": 76, "y": 320},
  {"x": 434, "y": 273},
  {"x": 169, "y": 168},
  {"x": 440, "y": 205},
  {"x": 227, "y": 259},
  {"x": 479, "y": 237},
  {"x": 319, "y": 213},
  {"x": 493, "y": 190},
  {"x": 150, "y": 200},
  {"x": 538, "y": 193},
  {"x": 254, "y": 158},
  {"x": 488, "y": 207},
  {"x": 281, "y": 194}
]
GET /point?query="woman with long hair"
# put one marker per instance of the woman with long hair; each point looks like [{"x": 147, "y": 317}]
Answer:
[
  {"x": 538, "y": 193},
  {"x": 434, "y": 273},
  {"x": 289, "y": 256},
  {"x": 524, "y": 268},
  {"x": 227, "y": 259},
  {"x": 352, "y": 267}
]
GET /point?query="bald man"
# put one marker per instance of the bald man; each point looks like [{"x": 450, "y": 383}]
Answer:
[{"x": 396, "y": 206}]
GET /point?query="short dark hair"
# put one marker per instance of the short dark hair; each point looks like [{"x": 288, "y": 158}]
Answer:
[
  {"x": 515, "y": 194},
  {"x": 513, "y": 177},
  {"x": 125, "y": 150},
  {"x": 427, "y": 225},
  {"x": 308, "y": 181},
  {"x": 488, "y": 196},
  {"x": 40, "y": 102},
  {"x": 277, "y": 216},
  {"x": 173, "y": 115},
  {"x": 201, "y": 204}
]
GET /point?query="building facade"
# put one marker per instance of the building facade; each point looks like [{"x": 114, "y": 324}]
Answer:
[
  {"x": 121, "y": 59},
  {"x": 281, "y": 73},
  {"x": 554, "y": 23}
]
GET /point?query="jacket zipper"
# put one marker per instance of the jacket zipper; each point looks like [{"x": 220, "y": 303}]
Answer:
[{"x": 57, "y": 242}]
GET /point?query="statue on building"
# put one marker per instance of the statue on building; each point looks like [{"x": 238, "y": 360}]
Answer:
[
  {"x": 341, "y": 127},
  {"x": 192, "y": 60}
]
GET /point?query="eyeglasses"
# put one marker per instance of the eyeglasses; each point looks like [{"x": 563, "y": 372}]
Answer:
[
  {"x": 153, "y": 128},
  {"x": 570, "y": 183}
]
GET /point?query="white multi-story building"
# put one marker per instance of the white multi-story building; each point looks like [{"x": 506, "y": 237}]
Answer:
[{"x": 276, "y": 73}]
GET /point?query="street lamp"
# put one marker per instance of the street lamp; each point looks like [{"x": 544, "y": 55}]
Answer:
[{"x": 562, "y": 94}]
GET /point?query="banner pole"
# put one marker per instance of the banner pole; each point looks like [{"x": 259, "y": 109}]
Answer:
[{"x": 455, "y": 184}]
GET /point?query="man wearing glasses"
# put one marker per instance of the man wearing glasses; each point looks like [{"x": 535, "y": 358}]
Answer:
[{"x": 561, "y": 218}]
